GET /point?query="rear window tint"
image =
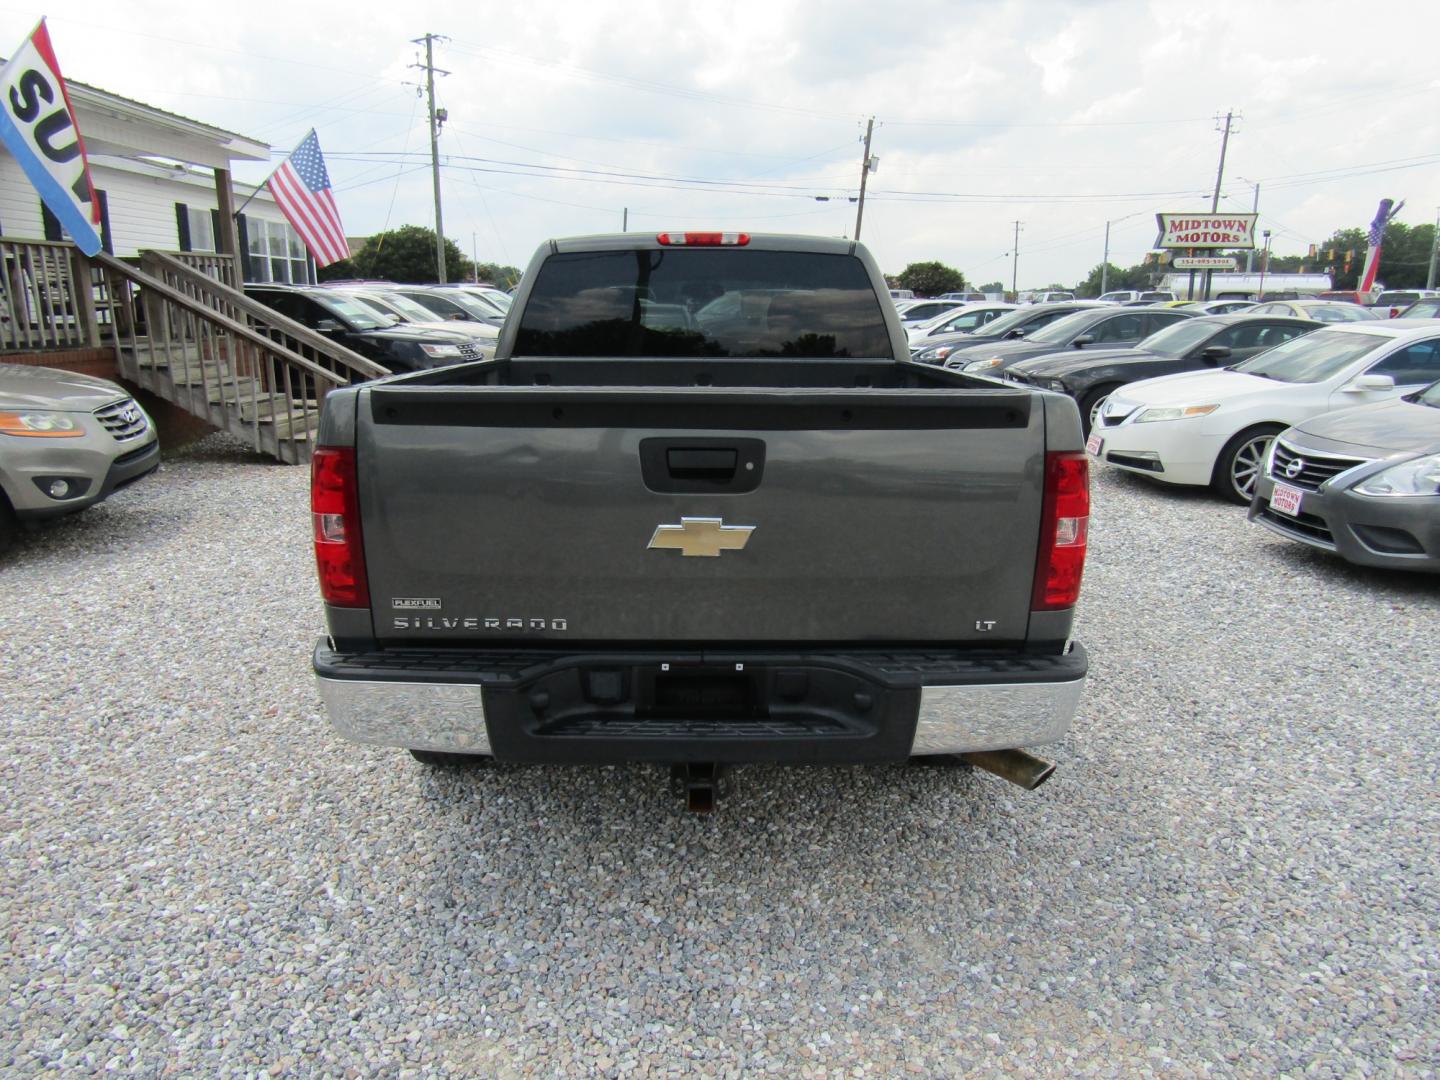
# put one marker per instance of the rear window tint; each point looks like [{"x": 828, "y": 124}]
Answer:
[{"x": 688, "y": 303}]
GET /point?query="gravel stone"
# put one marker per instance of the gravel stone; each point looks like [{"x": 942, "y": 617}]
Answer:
[{"x": 1233, "y": 871}]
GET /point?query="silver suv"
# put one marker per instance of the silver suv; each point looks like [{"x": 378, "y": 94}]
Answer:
[{"x": 66, "y": 442}]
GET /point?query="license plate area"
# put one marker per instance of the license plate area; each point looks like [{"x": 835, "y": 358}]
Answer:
[
  {"x": 701, "y": 694},
  {"x": 1286, "y": 500},
  {"x": 681, "y": 711},
  {"x": 1094, "y": 445}
]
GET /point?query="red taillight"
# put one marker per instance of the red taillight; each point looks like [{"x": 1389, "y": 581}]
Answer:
[
  {"x": 335, "y": 511},
  {"x": 704, "y": 239},
  {"x": 1064, "y": 525}
]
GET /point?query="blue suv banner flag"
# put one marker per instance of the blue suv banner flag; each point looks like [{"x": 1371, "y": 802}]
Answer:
[{"x": 37, "y": 125}]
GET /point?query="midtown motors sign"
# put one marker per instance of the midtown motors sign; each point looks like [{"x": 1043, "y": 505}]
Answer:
[{"x": 1206, "y": 230}]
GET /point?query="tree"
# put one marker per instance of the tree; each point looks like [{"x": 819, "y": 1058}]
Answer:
[
  {"x": 406, "y": 254},
  {"x": 497, "y": 274},
  {"x": 1404, "y": 256},
  {"x": 993, "y": 287},
  {"x": 930, "y": 279},
  {"x": 1138, "y": 276}
]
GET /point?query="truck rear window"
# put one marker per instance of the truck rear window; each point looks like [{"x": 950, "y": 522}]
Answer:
[{"x": 696, "y": 303}]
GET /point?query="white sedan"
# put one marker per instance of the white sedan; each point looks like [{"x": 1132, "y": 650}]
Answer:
[
  {"x": 964, "y": 319},
  {"x": 1215, "y": 427}
]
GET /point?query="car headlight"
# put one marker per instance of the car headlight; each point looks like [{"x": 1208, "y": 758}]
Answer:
[
  {"x": 1177, "y": 412},
  {"x": 40, "y": 425},
  {"x": 984, "y": 365},
  {"x": 441, "y": 352},
  {"x": 1418, "y": 477}
]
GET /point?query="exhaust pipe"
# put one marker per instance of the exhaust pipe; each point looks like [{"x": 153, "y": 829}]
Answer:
[{"x": 1017, "y": 766}]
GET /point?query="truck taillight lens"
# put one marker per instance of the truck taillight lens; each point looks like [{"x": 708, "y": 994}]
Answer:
[
  {"x": 1064, "y": 528},
  {"x": 703, "y": 239},
  {"x": 335, "y": 511}
]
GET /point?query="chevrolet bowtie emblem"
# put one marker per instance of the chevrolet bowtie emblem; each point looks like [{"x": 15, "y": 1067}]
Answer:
[{"x": 702, "y": 536}]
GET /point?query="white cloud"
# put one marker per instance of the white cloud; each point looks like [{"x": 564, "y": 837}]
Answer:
[{"x": 1062, "y": 116}]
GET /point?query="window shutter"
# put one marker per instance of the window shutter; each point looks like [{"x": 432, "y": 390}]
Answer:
[
  {"x": 215, "y": 231},
  {"x": 243, "y": 241},
  {"x": 51, "y": 224},
  {"x": 182, "y": 225},
  {"x": 107, "y": 242}
]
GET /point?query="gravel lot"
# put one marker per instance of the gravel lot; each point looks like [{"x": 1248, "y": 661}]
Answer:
[{"x": 1233, "y": 872}]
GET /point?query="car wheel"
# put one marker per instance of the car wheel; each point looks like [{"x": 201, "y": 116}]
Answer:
[
  {"x": 9, "y": 526},
  {"x": 1092, "y": 403},
  {"x": 1239, "y": 464},
  {"x": 443, "y": 759}
]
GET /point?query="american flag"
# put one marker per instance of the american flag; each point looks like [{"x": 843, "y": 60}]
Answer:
[
  {"x": 1375, "y": 239},
  {"x": 301, "y": 187}
]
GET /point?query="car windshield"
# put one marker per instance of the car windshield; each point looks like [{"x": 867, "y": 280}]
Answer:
[
  {"x": 1335, "y": 313},
  {"x": 1313, "y": 357},
  {"x": 703, "y": 302},
  {"x": 502, "y": 301},
  {"x": 354, "y": 314},
  {"x": 473, "y": 307},
  {"x": 407, "y": 308},
  {"x": 1062, "y": 330},
  {"x": 1011, "y": 320},
  {"x": 1178, "y": 338}
]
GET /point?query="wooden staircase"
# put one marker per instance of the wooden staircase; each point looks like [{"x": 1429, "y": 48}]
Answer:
[{"x": 184, "y": 332}]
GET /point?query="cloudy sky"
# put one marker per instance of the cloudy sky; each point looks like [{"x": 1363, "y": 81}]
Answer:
[{"x": 748, "y": 115}]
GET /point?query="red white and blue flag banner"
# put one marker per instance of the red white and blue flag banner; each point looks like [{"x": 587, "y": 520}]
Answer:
[
  {"x": 301, "y": 187},
  {"x": 1388, "y": 210},
  {"x": 37, "y": 125}
]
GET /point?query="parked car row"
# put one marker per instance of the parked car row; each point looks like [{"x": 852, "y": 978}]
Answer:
[
  {"x": 404, "y": 327},
  {"x": 1332, "y": 438}
]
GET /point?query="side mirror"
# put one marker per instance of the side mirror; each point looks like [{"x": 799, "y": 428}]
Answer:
[
  {"x": 1362, "y": 383},
  {"x": 329, "y": 326},
  {"x": 1213, "y": 354},
  {"x": 1014, "y": 334},
  {"x": 1083, "y": 340}
]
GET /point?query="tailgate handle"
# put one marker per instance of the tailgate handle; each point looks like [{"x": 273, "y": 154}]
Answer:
[
  {"x": 696, "y": 463},
  {"x": 690, "y": 465}
]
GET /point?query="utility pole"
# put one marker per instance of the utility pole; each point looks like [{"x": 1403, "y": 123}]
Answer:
[
  {"x": 1105, "y": 263},
  {"x": 1254, "y": 209},
  {"x": 1230, "y": 117},
  {"x": 625, "y": 219},
  {"x": 1015, "y": 265},
  {"x": 436, "y": 118},
  {"x": 1434, "y": 250},
  {"x": 864, "y": 173}
]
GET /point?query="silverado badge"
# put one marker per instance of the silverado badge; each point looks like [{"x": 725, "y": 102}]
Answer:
[{"x": 702, "y": 536}]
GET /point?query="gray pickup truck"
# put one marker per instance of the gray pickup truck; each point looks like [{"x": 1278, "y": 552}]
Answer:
[{"x": 700, "y": 509}]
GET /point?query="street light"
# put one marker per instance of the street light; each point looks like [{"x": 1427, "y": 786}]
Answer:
[
  {"x": 1264, "y": 265},
  {"x": 1105, "y": 259}
]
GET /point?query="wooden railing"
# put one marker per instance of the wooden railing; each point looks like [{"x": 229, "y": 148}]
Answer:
[
  {"x": 297, "y": 338},
  {"x": 41, "y": 307},
  {"x": 216, "y": 367},
  {"x": 222, "y": 268},
  {"x": 182, "y": 330}
]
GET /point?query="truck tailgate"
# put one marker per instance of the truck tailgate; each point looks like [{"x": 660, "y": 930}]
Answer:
[{"x": 610, "y": 515}]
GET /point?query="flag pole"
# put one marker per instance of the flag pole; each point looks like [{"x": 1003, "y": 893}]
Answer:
[{"x": 271, "y": 174}]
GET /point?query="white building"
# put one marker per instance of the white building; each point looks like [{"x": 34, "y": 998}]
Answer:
[{"x": 160, "y": 180}]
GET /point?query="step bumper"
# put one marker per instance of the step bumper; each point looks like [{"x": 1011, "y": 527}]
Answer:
[{"x": 821, "y": 708}]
